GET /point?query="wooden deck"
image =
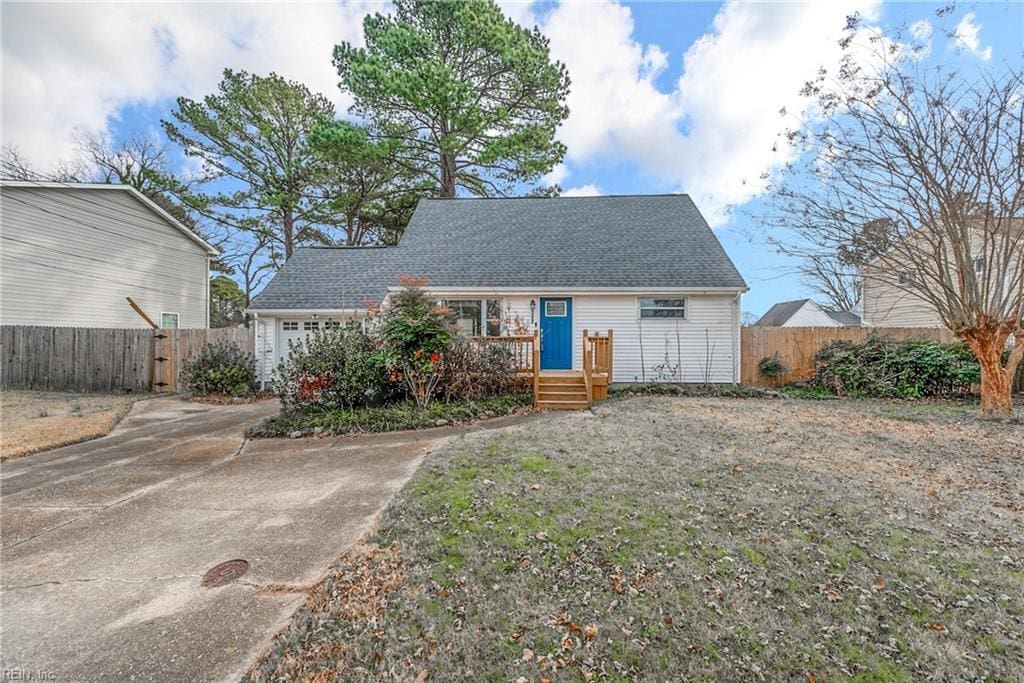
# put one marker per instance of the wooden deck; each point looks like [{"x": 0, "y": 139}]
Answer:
[{"x": 562, "y": 389}]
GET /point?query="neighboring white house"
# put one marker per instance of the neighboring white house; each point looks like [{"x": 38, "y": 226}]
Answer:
[
  {"x": 647, "y": 267},
  {"x": 886, "y": 305},
  {"x": 73, "y": 253},
  {"x": 805, "y": 313},
  {"x": 888, "y": 297}
]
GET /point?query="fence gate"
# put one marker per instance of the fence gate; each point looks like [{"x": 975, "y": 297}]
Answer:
[{"x": 162, "y": 374}]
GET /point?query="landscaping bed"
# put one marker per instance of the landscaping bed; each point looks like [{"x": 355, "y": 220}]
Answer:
[
  {"x": 670, "y": 538},
  {"x": 694, "y": 389},
  {"x": 388, "y": 418},
  {"x": 40, "y": 420}
]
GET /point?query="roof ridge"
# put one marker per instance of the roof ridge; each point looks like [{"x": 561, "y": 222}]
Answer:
[
  {"x": 351, "y": 247},
  {"x": 592, "y": 196}
]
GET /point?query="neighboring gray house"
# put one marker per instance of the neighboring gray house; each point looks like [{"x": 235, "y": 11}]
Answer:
[
  {"x": 73, "y": 253},
  {"x": 806, "y": 313},
  {"x": 647, "y": 267}
]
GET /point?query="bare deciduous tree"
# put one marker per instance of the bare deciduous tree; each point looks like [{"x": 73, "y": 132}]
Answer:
[{"x": 916, "y": 176}]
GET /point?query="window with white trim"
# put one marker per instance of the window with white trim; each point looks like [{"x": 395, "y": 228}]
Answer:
[
  {"x": 290, "y": 325},
  {"x": 979, "y": 265},
  {"x": 169, "y": 321},
  {"x": 661, "y": 309},
  {"x": 331, "y": 325},
  {"x": 468, "y": 314},
  {"x": 311, "y": 325}
]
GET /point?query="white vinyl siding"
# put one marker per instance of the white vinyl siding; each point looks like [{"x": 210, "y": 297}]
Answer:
[
  {"x": 711, "y": 330},
  {"x": 886, "y": 305},
  {"x": 70, "y": 257}
]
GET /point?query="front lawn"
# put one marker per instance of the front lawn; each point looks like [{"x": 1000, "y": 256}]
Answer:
[
  {"x": 672, "y": 538},
  {"x": 39, "y": 420}
]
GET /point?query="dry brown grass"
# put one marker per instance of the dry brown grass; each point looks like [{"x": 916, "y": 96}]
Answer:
[
  {"x": 33, "y": 421},
  {"x": 690, "y": 539}
]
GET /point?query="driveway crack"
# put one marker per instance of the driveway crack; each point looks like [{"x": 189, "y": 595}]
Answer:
[{"x": 91, "y": 579}]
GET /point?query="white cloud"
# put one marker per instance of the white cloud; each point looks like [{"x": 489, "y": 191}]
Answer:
[
  {"x": 557, "y": 175},
  {"x": 616, "y": 109},
  {"x": 519, "y": 11},
  {"x": 967, "y": 36},
  {"x": 588, "y": 190},
  {"x": 712, "y": 134},
  {"x": 72, "y": 66},
  {"x": 736, "y": 81},
  {"x": 921, "y": 32}
]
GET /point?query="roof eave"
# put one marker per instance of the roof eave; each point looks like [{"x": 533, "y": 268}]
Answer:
[{"x": 581, "y": 290}]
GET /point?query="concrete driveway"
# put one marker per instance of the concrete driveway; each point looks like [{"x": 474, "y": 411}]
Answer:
[{"x": 105, "y": 543}]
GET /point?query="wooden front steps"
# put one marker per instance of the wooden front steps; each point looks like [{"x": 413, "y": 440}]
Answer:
[{"x": 562, "y": 390}]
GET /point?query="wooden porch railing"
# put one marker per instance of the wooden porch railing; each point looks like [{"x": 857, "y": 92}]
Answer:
[
  {"x": 525, "y": 350},
  {"x": 597, "y": 364}
]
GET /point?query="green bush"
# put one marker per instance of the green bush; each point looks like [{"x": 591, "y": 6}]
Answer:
[
  {"x": 333, "y": 368},
  {"x": 220, "y": 369},
  {"x": 883, "y": 368},
  {"x": 469, "y": 370},
  {"x": 772, "y": 366}
]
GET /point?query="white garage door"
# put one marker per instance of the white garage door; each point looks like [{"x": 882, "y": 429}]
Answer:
[{"x": 296, "y": 331}]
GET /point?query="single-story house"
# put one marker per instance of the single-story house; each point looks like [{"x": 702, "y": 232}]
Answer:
[
  {"x": 647, "y": 267},
  {"x": 73, "y": 253},
  {"x": 806, "y": 313}
]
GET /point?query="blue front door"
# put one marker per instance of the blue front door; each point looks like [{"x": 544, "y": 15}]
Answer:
[{"x": 556, "y": 334}]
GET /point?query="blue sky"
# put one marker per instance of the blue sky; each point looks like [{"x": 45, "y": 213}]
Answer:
[{"x": 666, "y": 97}]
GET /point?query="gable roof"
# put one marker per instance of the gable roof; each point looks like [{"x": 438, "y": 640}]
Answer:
[
  {"x": 609, "y": 241},
  {"x": 603, "y": 243},
  {"x": 149, "y": 203},
  {"x": 778, "y": 314}
]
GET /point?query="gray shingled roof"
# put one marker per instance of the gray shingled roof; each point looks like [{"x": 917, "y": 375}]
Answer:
[
  {"x": 329, "y": 278},
  {"x": 778, "y": 314},
  {"x": 563, "y": 242},
  {"x": 844, "y": 318}
]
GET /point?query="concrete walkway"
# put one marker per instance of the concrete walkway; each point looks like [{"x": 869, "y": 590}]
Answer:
[{"x": 105, "y": 542}]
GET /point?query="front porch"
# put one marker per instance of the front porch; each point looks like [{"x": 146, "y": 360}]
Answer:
[{"x": 562, "y": 389}]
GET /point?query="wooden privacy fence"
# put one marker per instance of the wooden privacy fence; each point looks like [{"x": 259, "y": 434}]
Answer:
[
  {"x": 796, "y": 346},
  {"x": 99, "y": 359}
]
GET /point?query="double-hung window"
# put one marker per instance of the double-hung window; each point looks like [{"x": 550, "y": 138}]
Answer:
[{"x": 663, "y": 309}]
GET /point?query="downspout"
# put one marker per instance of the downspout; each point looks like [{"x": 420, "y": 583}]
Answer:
[
  {"x": 260, "y": 343},
  {"x": 208, "y": 259},
  {"x": 737, "y": 334}
]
